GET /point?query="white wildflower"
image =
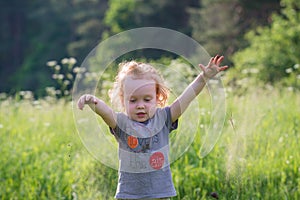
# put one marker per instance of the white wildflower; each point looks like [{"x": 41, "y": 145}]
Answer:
[
  {"x": 289, "y": 70},
  {"x": 66, "y": 92},
  {"x": 69, "y": 76},
  {"x": 60, "y": 76},
  {"x": 67, "y": 82},
  {"x": 72, "y": 61},
  {"x": 65, "y": 61},
  {"x": 57, "y": 67},
  {"x": 51, "y": 63},
  {"x": 245, "y": 71},
  {"x": 254, "y": 70},
  {"x": 76, "y": 70}
]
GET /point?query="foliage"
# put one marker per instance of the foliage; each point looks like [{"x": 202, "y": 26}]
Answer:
[
  {"x": 274, "y": 49},
  {"x": 88, "y": 27},
  {"x": 128, "y": 14},
  {"x": 34, "y": 32},
  {"x": 37, "y": 31},
  {"x": 220, "y": 25},
  {"x": 36, "y": 155},
  {"x": 256, "y": 157},
  {"x": 215, "y": 25}
]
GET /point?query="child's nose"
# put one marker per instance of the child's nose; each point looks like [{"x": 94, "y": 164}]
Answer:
[{"x": 140, "y": 105}]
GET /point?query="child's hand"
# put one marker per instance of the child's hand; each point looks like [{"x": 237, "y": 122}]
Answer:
[
  {"x": 86, "y": 99},
  {"x": 213, "y": 67}
]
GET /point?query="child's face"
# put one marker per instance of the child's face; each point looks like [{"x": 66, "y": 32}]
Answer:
[{"x": 139, "y": 98}]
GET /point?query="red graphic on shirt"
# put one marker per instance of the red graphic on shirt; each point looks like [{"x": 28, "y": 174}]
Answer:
[
  {"x": 132, "y": 142},
  {"x": 157, "y": 160}
]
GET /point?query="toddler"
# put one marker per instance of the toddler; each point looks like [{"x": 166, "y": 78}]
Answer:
[{"x": 142, "y": 129}]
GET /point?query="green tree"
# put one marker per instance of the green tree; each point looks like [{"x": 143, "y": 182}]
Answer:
[
  {"x": 48, "y": 32},
  {"x": 128, "y": 14},
  {"x": 88, "y": 26},
  {"x": 219, "y": 25},
  {"x": 52, "y": 30},
  {"x": 13, "y": 21},
  {"x": 273, "y": 49}
]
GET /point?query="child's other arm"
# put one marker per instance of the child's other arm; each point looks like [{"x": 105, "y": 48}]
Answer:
[
  {"x": 184, "y": 100},
  {"x": 100, "y": 107}
]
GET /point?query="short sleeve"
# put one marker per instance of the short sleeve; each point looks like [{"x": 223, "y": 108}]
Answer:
[{"x": 171, "y": 125}]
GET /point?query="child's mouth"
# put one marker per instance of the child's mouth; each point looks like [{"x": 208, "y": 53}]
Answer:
[{"x": 141, "y": 115}]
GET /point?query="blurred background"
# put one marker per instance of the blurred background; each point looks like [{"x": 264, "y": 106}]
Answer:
[
  {"x": 261, "y": 37},
  {"x": 44, "y": 43}
]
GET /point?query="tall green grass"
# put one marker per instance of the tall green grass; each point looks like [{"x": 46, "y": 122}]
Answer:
[{"x": 257, "y": 156}]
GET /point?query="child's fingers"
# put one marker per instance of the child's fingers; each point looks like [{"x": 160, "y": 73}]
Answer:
[
  {"x": 87, "y": 98},
  {"x": 223, "y": 68},
  {"x": 211, "y": 61},
  {"x": 215, "y": 59},
  {"x": 219, "y": 60},
  {"x": 202, "y": 67},
  {"x": 80, "y": 103},
  {"x": 91, "y": 99}
]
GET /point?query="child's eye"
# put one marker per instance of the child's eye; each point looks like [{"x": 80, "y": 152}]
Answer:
[
  {"x": 147, "y": 99},
  {"x": 132, "y": 100}
]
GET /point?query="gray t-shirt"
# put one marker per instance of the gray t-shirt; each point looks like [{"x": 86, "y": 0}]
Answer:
[{"x": 144, "y": 156}]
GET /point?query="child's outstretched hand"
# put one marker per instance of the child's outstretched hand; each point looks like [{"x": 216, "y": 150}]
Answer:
[
  {"x": 86, "y": 99},
  {"x": 213, "y": 67}
]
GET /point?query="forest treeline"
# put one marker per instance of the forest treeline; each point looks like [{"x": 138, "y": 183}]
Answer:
[{"x": 34, "y": 32}]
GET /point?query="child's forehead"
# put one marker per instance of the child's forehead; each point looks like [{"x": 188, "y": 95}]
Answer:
[
  {"x": 132, "y": 85},
  {"x": 138, "y": 81}
]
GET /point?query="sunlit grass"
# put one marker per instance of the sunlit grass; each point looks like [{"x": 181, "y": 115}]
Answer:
[{"x": 257, "y": 156}]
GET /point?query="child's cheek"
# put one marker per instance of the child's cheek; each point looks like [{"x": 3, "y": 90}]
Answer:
[
  {"x": 131, "y": 107},
  {"x": 152, "y": 111}
]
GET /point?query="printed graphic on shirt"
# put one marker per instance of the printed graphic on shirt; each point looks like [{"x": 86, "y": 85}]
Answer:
[
  {"x": 141, "y": 145},
  {"x": 132, "y": 142},
  {"x": 133, "y": 162},
  {"x": 157, "y": 160}
]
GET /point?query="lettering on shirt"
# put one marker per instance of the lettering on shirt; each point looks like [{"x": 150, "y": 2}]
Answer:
[{"x": 143, "y": 143}]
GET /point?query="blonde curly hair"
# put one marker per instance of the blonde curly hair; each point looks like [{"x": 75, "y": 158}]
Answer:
[{"x": 137, "y": 70}]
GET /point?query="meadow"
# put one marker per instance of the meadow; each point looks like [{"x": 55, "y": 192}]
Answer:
[{"x": 256, "y": 157}]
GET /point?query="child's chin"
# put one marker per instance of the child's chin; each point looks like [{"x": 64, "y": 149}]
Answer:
[{"x": 141, "y": 119}]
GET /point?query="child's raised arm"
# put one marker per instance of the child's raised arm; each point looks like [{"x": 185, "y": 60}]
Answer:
[
  {"x": 100, "y": 107},
  {"x": 184, "y": 100}
]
